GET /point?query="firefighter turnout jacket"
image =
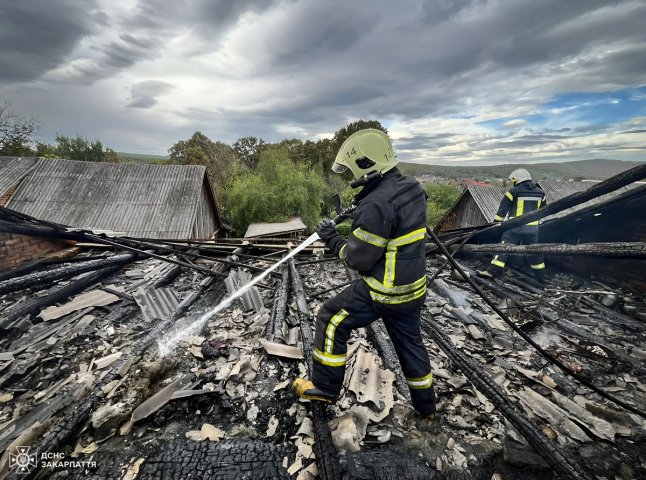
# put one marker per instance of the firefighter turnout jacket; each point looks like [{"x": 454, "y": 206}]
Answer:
[
  {"x": 387, "y": 239},
  {"x": 526, "y": 197},
  {"x": 386, "y": 246}
]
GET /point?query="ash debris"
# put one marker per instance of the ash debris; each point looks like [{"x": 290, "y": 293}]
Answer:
[{"x": 85, "y": 378}]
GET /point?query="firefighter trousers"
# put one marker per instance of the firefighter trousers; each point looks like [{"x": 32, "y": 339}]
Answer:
[
  {"x": 528, "y": 236},
  {"x": 353, "y": 308}
]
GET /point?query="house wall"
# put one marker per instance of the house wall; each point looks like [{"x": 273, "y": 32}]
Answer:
[
  {"x": 465, "y": 214},
  {"x": 205, "y": 222},
  {"x": 18, "y": 249}
]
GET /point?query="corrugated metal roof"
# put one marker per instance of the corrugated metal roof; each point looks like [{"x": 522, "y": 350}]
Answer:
[
  {"x": 269, "y": 229},
  {"x": 488, "y": 198},
  {"x": 13, "y": 169},
  {"x": 156, "y": 302},
  {"x": 157, "y": 201}
]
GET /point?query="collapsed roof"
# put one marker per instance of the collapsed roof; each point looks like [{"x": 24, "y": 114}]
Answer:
[{"x": 115, "y": 359}]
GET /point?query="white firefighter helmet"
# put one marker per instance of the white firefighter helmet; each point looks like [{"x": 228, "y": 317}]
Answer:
[
  {"x": 365, "y": 151},
  {"x": 519, "y": 175}
]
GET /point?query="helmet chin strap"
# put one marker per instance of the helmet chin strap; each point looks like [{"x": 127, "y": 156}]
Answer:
[{"x": 366, "y": 179}]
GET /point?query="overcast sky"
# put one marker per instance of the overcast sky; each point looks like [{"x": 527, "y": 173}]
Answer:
[{"x": 455, "y": 82}]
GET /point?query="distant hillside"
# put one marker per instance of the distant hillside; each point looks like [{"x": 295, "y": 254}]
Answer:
[
  {"x": 141, "y": 158},
  {"x": 587, "y": 169}
]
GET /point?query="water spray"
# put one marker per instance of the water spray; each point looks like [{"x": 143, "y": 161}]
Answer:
[{"x": 167, "y": 345}]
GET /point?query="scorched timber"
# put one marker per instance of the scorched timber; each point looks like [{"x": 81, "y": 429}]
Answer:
[
  {"x": 42, "y": 278},
  {"x": 628, "y": 250},
  {"x": 34, "y": 305}
]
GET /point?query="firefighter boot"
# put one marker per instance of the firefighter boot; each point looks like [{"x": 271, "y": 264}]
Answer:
[
  {"x": 432, "y": 422},
  {"x": 308, "y": 391}
]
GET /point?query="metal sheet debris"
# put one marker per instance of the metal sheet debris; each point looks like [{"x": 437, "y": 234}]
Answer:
[
  {"x": 251, "y": 299},
  {"x": 156, "y": 303}
]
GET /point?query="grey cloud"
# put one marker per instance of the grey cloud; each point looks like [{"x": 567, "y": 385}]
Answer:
[
  {"x": 37, "y": 35},
  {"x": 320, "y": 30},
  {"x": 117, "y": 55},
  {"x": 144, "y": 94},
  {"x": 436, "y": 11},
  {"x": 210, "y": 18},
  {"x": 433, "y": 58}
]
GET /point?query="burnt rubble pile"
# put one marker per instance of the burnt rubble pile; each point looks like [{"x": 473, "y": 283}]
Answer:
[{"x": 117, "y": 364}]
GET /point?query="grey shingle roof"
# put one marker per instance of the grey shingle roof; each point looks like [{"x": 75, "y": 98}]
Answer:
[{"x": 157, "y": 201}]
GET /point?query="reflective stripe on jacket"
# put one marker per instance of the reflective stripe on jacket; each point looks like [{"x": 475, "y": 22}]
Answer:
[
  {"x": 387, "y": 239},
  {"x": 523, "y": 198}
]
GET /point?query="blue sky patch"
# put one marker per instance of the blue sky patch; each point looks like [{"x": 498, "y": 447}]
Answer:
[{"x": 574, "y": 110}]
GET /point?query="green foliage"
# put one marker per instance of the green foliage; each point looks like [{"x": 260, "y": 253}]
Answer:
[
  {"x": 344, "y": 229},
  {"x": 76, "y": 148},
  {"x": 46, "y": 150},
  {"x": 248, "y": 150},
  {"x": 217, "y": 157},
  {"x": 278, "y": 189},
  {"x": 79, "y": 148},
  {"x": 441, "y": 197}
]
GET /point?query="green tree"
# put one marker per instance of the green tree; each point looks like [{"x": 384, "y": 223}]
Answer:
[
  {"x": 441, "y": 197},
  {"x": 16, "y": 132},
  {"x": 217, "y": 157},
  {"x": 79, "y": 148},
  {"x": 276, "y": 190},
  {"x": 248, "y": 150},
  {"x": 46, "y": 150}
]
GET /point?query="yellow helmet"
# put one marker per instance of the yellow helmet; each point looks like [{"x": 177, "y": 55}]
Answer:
[{"x": 364, "y": 152}]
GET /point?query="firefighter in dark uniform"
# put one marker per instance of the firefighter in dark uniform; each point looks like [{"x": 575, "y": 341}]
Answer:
[
  {"x": 525, "y": 196},
  {"x": 386, "y": 246}
]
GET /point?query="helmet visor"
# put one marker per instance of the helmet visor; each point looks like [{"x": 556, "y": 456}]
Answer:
[{"x": 338, "y": 168}]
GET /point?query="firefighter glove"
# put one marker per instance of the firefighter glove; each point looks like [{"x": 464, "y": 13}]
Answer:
[{"x": 326, "y": 230}]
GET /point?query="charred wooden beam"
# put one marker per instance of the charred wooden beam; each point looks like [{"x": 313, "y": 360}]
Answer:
[
  {"x": 279, "y": 314},
  {"x": 327, "y": 457},
  {"x": 485, "y": 384},
  {"x": 43, "y": 278},
  {"x": 632, "y": 250},
  {"x": 33, "y": 305},
  {"x": 529, "y": 340},
  {"x": 39, "y": 231}
]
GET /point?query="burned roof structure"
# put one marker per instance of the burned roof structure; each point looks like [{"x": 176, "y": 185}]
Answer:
[
  {"x": 477, "y": 205},
  {"x": 154, "y": 201},
  {"x": 133, "y": 364}
]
